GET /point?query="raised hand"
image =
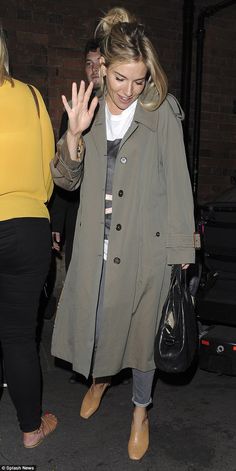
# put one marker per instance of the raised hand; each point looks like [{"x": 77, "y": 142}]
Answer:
[{"x": 80, "y": 114}]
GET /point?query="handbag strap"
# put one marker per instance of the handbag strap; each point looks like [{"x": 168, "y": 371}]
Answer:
[
  {"x": 35, "y": 98},
  {"x": 173, "y": 276},
  {"x": 175, "y": 272},
  {"x": 181, "y": 275}
]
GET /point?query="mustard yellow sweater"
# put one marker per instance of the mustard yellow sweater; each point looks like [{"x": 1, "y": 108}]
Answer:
[{"x": 26, "y": 148}]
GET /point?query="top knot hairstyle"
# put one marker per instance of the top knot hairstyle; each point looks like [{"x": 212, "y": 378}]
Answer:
[{"x": 123, "y": 39}]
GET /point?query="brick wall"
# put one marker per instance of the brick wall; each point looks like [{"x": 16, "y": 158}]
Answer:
[
  {"x": 46, "y": 41},
  {"x": 217, "y": 162}
]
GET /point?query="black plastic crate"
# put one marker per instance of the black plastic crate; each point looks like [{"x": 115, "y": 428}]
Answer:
[{"x": 217, "y": 351}]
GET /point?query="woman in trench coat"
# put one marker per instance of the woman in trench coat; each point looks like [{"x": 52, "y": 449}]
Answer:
[{"x": 134, "y": 222}]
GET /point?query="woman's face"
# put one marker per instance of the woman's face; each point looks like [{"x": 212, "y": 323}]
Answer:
[{"x": 124, "y": 83}]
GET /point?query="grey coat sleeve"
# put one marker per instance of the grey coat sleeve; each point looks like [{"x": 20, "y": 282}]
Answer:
[
  {"x": 67, "y": 173},
  {"x": 180, "y": 209}
]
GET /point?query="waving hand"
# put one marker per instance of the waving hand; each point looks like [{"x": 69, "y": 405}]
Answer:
[{"x": 80, "y": 114}]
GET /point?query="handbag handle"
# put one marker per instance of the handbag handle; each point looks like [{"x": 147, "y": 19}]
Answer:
[{"x": 178, "y": 273}]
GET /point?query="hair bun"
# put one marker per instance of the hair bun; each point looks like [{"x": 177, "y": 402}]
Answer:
[{"x": 114, "y": 16}]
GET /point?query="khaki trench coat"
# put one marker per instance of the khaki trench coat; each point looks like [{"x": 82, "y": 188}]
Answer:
[{"x": 152, "y": 228}]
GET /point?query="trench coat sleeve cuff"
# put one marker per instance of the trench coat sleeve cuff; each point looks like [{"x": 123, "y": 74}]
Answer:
[
  {"x": 177, "y": 255},
  {"x": 62, "y": 156},
  {"x": 66, "y": 172},
  {"x": 181, "y": 240},
  {"x": 181, "y": 248}
]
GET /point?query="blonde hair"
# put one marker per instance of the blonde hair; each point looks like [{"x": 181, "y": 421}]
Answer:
[
  {"x": 4, "y": 59},
  {"x": 123, "y": 39}
]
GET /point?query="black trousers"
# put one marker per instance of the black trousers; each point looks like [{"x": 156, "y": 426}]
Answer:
[{"x": 25, "y": 251}]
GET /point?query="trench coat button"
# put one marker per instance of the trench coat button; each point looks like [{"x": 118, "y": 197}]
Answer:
[
  {"x": 123, "y": 160},
  {"x": 158, "y": 234},
  {"x": 118, "y": 227},
  {"x": 117, "y": 260},
  {"x": 120, "y": 193}
]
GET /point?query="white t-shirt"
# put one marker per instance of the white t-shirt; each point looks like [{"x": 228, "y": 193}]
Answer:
[{"x": 118, "y": 124}]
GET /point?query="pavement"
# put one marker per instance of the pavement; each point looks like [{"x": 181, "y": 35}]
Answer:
[{"x": 192, "y": 424}]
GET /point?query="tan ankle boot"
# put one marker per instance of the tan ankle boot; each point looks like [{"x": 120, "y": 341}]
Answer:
[
  {"x": 139, "y": 436},
  {"x": 92, "y": 399}
]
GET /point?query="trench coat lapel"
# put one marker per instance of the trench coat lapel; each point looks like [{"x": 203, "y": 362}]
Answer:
[
  {"x": 147, "y": 118},
  {"x": 98, "y": 134},
  {"x": 143, "y": 117},
  {"x": 98, "y": 130},
  {"x": 130, "y": 131}
]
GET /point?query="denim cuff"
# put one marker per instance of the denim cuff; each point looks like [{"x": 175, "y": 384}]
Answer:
[{"x": 142, "y": 405}]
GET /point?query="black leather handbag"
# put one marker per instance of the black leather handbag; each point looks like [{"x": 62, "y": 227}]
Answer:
[{"x": 177, "y": 337}]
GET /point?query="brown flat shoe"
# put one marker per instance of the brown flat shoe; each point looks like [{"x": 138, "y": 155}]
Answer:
[
  {"x": 139, "y": 440},
  {"x": 48, "y": 425},
  {"x": 92, "y": 399}
]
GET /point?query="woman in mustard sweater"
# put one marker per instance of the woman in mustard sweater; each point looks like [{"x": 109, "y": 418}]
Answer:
[{"x": 26, "y": 148}]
